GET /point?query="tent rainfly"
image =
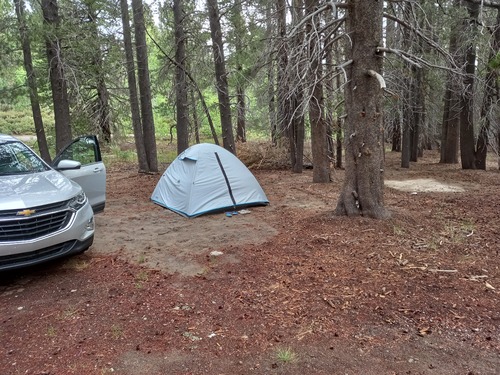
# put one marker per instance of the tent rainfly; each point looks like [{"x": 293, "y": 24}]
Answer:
[{"x": 207, "y": 178}]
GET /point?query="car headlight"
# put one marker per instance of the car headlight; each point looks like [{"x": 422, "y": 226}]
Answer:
[{"x": 78, "y": 201}]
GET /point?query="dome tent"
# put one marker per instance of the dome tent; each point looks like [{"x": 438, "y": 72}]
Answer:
[{"x": 207, "y": 178}]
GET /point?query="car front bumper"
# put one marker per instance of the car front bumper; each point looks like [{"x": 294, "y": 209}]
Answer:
[{"x": 76, "y": 237}]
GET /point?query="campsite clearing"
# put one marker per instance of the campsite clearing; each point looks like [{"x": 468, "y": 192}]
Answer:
[{"x": 282, "y": 289}]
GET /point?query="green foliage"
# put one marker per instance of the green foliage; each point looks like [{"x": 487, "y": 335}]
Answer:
[
  {"x": 18, "y": 120},
  {"x": 495, "y": 62},
  {"x": 115, "y": 154},
  {"x": 118, "y": 154}
]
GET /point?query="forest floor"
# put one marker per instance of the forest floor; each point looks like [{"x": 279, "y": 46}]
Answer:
[{"x": 296, "y": 290}]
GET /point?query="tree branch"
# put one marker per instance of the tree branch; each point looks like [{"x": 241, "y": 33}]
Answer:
[
  {"x": 486, "y": 3},
  {"x": 380, "y": 79},
  {"x": 428, "y": 40},
  {"x": 330, "y": 4},
  {"x": 200, "y": 94}
]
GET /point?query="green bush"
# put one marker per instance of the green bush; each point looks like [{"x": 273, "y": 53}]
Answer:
[{"x": 18, "y": 121}]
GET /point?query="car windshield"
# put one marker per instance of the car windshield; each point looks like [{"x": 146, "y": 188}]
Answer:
[{"x": 17, "y": 158}]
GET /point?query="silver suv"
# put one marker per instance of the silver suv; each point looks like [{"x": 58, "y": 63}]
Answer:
[{"x": 48, "y": 212}]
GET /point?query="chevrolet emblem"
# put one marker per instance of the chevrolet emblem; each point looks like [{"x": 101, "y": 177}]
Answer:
[{"x": 26, "y": 212}]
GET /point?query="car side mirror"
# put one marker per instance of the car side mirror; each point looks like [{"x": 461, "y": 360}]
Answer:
[{"x": 65, "y": 165}]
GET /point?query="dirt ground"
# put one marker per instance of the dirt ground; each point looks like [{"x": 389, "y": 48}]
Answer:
[{"x": 293, "y": 289}]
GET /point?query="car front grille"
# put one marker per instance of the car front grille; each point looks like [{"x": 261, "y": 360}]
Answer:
[
  {"x": 46, "y": 253},
  {"x": 46, "y": 220}
]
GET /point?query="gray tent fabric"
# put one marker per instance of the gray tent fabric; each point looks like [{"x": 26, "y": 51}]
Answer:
[{"x": 207, "y": 178}]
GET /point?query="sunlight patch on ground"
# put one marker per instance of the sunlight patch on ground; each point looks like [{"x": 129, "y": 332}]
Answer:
[{"x": 421, "y": 185}]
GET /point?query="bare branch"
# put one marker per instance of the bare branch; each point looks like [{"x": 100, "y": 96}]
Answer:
[
  {"x": 486, "y": 3},
  {"x": 330, "y": 4},
  {"x": 404, "y": 55},
  {"x": 378, "y": 76},
  {"x": 425, "y": 38},
  {"x": 195, "y": 85}
]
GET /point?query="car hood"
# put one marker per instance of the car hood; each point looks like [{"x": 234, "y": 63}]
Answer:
[{"x": 35, "y": 189}]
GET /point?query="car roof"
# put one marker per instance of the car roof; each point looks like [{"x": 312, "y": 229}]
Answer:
[{"x": 7, "y": 138}]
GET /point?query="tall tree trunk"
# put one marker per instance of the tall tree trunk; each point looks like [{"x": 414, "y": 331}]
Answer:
[
  {"x": 239, "y": 26},
  {"x": 32, "y": 82},
  {"x": 417, "y": 107},
  {"x": 396, "y": 134},
  {"x": 331, "y": 117},
  {"x": 394, "y": 38},
  {"x": 482, "y": 140},
  {"x": 101, "y": 108},
  {"x": 196, "y": 121},
  {"x": 412, "y": 105},
  {"x": 296, "y": 133},
  {"x": 57, "y": 77},
  {"x": 450, "y": 131},
  {"x": 181, "y": 97},
  {"x": 467, "y": 141},
  {"x": 147, "y": 118},
  {"x": 339, "y": 134},
  {"x": 363, "y": 189},
  {"x": 319, "y": 139},
  {"x": 407, "y": 125},
  {"x": 241, "y": 113},
  {"x": 491, "y": 93},
  {"x": 284, "y": 103},
  {"x": 132, "y": 87},
  {"x": 221, "y": 76},
  {"x": 271, "y": 84},
  {"x": 339, "y": 142}
]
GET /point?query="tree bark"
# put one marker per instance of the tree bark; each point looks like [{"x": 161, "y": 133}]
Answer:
[
  {"x": 363, "y": 189},
  {"x": 101, "y": 107},
  {"x": 296, "y": 134},
  {"x": 181, "y": 97},
  {"x": 396, "y": 134},
  {"x": 407, "y": 124},
  {"x": 296, "y": 126},
  {"x": 290, "y": 122},
  {"x": 417, "y": 106},
  {"x": 284, "y": 108},
  {"x": 450, "y": 130},
  {"x": 319, "y": 139},
  {"x": 57, "y": 77},
  {"x": 413, "y": 103},
  {"x": 132, "y": 88},
  {"x": 241, "y": 135},
  {"x": 147, "y": 118},
  {"x": 339, "y": 142},
  {"x": 32, "y": 82},
  {"x": 271, "y": 66},
  {"x": 331, "y": 117},
  {"x": 491, "y": 93},
  {"x": 221, "y": 76},
  {"x": 467, "y": 141},
  {"x": 239, "y": 27},
  {"x": 196, "y": 122}
]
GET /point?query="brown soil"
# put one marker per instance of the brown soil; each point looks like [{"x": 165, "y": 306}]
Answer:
[{"x": 295, "y": 291}]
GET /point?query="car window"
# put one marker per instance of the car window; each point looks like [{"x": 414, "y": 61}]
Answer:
[
  {"x": 17, "y": 158},
  {"x": 84, "y": 150}
]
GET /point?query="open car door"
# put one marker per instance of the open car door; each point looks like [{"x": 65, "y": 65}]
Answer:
[{"x": 91, "y": 174}]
